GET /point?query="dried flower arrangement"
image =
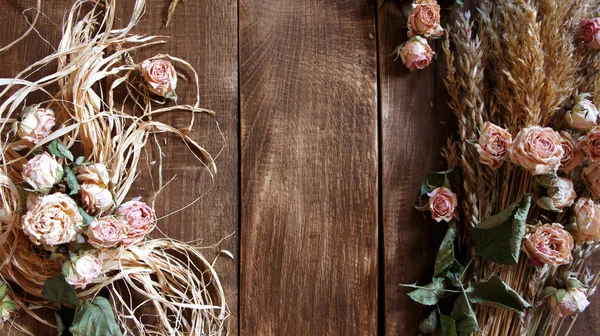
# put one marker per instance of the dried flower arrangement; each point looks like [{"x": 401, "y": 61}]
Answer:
[
  {"x": 68, "y": 163},
  {"x": 523, "y": 171}
]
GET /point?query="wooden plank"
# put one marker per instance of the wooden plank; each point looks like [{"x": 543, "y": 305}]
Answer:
[
  {"x": 205, "y": 34},
  {"x": 414, "y": 129},
  {"x": 309, "y": 167}
]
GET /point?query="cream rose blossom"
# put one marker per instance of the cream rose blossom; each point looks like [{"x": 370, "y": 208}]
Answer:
[
  {"x": 53, "y": 220},
  {"x": 589, "y": 32},
  {"x": 42, "y": 173},
  {"x": 36, "y": 124},
  {"x": 559, "y": 195},
  {"x": 572, "y": 157},
  {"x": 537, "y": 149},
  {"x": 107, "y": 232},
  {"x": 416, "y": 53},
  {"x": 96, "y": 173},
  {"x": 81, "y": 271},
  {"x": 584, "y": 114},
  {"x": 442, "y": 203},
  {"x": 139, "y": 218},
  {"x": 586, "y": 215},
  {"x": 567, "y": 302},
  {"x": 161, "y": 77},
  {"x": 424, "y": 19},
  {"x": 493, "y": 145},
  {"x": 548, "y": 244},
  {"x": 94, "y": 182},
  {"x": 591, "y": 178}
]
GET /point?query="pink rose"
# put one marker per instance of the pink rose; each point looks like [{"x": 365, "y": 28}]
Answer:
[
  {"x": 591, "y": 144},
  {"x": 161, "y": 77},
  {"x": 537, "y": 149},
  {"x": 591, "y": 178},
  {"x": 572, "y": 157},
  {"x": 36, "y": 124},
  {"x": 106, "y": 232},
  {"x": 53, "y": 220},
  {"x": 95, "y": 198},
  {"x": 493, "y": 145},
  {"x": 139, "y": 218},
  {"x": 42, "y": 173},
  {"x": 589, "y": 32},
  {"x": 82, "y": 271},
  {"x": 587, "y": 220},
  {"x": 416, "y": 53},
  {"x": 424, "y": 19},
  {"x": 442, "y": 202},
  {"x": 548, "y": 244},
  {"x": 560, "y": 194},
  {"x": 566, "y": 302}
]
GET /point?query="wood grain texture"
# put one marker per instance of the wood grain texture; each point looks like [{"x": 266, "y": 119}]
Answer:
[
  {"x": 414, "y": 129},
  {"x": 309, "y": 167},
  {"x": 205, "y": 34}
]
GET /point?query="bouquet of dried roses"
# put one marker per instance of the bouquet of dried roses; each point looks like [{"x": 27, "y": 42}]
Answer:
[
  {"x": 524, "y": 171},
  {"x": 71, "y": 239}
]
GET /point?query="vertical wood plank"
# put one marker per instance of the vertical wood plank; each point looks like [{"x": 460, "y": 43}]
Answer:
[
  {"x": 309, "y": 167},
  {"x": 205, "y": 34},
  {"x": 414, "y": 129}
]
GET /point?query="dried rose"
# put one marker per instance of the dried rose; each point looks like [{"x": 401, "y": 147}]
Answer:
[
  {"x": 572, "y": 157},
  {"x": 96, "y": 173},
  {"x": 95, "y": 198},
  {"x": 591, "y": 144},
  {"x": 416, "y": 53},
  {"x": 161, "y": 77},
  {"x": 53, "y": 220},
  {"x": 139, "y": 218},
  {"x": 589, "y": 32},
  {"x": 42, "y": 173},
  {"x": 591, "y": 178},
  {"x": 493, "y": 145},
  {"x": 548, "y": 244},
  {"x": 559, "y": 195},
  {"x": 566, "y": 302},
  {"x": 424, "y": 19},
  {"x": 36, "y": 124},
  {"x": 107, "y": 232},
  {"x": 584, "y": 114},
  {"x": 537, "y": 149},
  {"x": 442, "y": 203},
  {"x": 81, "y": 271},
  {"x": 586, "y": 215}
]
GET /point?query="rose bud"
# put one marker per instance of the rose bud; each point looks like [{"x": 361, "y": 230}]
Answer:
[
  {"x": 572, "y": 157},
  {"x": 589, "y": 32},
  {"x": 591, "y": 144},
  {"x": 106, "y": 232},
  {"x": 493, "y": 145},
  {"x": 7, "y": 306},
  {"x": 424, "y": 19},
  {"x": 586, "y": 216},
  {"x": 81, "y": 271},
  {"x": 591, "y": 178},
  {"x": 42, "y": 173},
  {"x": 566, "y": 302},
  {"x": 161, "y": 77},
  {"x": 416, "y": 53},
  {"x": 442, "y": 202},
  {"x": 36, "y": 124},
  {"x": 139, "y": 218},
  {"x": 584, "y": 114},
  {"x": 537, "y": 149},
  {"x": 53, "y": 220},
  {"x": 559, "y": 195},
  {"x": 95, "y": 198},
  {"x": 548, "y": 244}
]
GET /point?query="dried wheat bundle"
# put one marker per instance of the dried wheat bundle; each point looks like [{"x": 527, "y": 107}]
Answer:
[
  {"x": 68, "y": 163},
  {"x": 523, "y": 83}
]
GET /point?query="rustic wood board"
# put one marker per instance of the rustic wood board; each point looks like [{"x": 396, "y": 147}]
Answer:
[{"x": 308, "y": 115}]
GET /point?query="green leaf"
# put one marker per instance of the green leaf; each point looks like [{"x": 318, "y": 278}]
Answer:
[
  {"x": 430, "y": 294},
  {"x": 464, "y": 315},
  {"x": 445, "y": 256},
  {"x": 460, "y": 2},
  {"x": 60, "y": 327},
  {"x": 3, "y": 290},
  {"x": 454, "y": 274},
  {"x": 87, "y": 219},
  {"x": 95, "y": 319},
  {"x": 8, "y": 305},
  {"x": 58, "y": 290},
  {"x": 496, "y": 293},
  {"x": 498, "y": 238},
  {"x": 71, "y": 181},
  {"x": 79, "y": 160},
  {"x": 428, "y": 325},
  {"x": 57, "y": 149},
  {"x": 53, "y": 148},
  {"x": 435, "y": 180},
  {"x": 446, "y": 327}
]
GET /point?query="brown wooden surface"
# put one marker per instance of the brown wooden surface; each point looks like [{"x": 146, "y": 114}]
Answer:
[{"x": 327, "y": 141}]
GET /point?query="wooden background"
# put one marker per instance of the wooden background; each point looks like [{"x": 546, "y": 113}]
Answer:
[{"x": 327, "y": 139}]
